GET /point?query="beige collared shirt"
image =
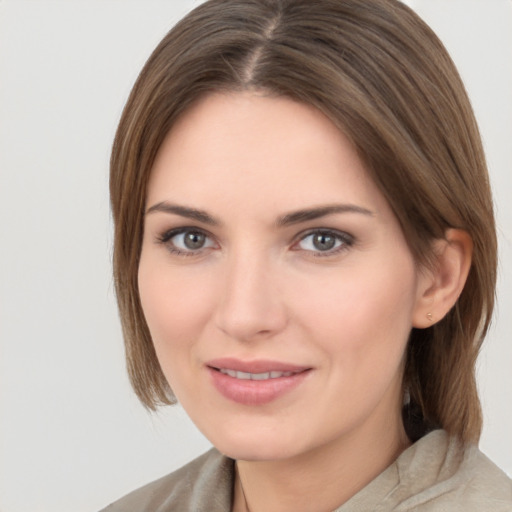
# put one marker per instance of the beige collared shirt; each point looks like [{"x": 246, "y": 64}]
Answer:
[{"x": 435, "y": 474}]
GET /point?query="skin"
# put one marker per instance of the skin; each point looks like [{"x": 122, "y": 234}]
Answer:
[{"x": 259, "y": 290}]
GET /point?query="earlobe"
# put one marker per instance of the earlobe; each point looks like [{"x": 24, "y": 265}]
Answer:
[{"x": 440, "y": 287}]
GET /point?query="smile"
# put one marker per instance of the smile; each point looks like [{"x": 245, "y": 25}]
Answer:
[
  {"x": 255, "y": 376},
  {"x": 255, "y": 383}
]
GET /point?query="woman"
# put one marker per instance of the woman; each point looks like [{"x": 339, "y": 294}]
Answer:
[{"x": 305, "y": 258}]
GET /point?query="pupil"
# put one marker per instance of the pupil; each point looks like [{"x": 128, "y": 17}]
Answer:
[
  {"x": 323, "y": 242},
  {"x": 194, "y": 240}
]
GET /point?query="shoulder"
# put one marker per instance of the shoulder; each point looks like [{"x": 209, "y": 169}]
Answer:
[
  {"x": 445, "y": 475},
  {"x": 483, "y": 485},
  {"x": 205, "y": 484}
]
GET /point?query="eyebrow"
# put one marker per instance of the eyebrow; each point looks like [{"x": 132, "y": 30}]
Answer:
[
  {"x": 184, "y": 211},
  {"x": 287, "y": 219},
  {"x": 320, "y": 211}
]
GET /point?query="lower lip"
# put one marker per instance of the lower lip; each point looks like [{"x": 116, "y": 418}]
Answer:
[{"x": 255, "y": 392}]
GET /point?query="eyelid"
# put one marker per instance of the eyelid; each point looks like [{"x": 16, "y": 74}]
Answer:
[
  {"x": 165, "y": 237},
  {"x": 347, "y": 241}
]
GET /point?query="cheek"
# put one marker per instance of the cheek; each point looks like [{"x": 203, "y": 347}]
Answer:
[
  {"x": 362, "y": 316},
  {"x": 174, "y": 305},
  {"x": 174, "y": 302}
]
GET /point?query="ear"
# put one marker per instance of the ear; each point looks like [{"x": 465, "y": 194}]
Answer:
[{"x": 439, "y": 289}]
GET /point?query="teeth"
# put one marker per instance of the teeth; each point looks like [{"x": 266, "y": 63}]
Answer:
[
  {"x": 260, "y": 376},
  {"x": 254, "y": 376},
  {"x": 275, "y": 375}
]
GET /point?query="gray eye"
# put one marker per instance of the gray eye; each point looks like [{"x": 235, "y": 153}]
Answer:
[
  {"x": 320, "y": 242},
  {"x": 323, "y": 242},
  {"x": 193, "y": 240}
]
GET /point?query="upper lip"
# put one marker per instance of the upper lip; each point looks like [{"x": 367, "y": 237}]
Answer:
[{"x": 255, "y": 366}]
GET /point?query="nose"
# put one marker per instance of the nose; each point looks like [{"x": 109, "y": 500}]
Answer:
[{"x": 251, "y": 304}]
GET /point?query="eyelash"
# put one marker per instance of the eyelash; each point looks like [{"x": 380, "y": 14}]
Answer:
[
  {"x": 346, "y": 241},
  {"x": 166, "y": 237}
]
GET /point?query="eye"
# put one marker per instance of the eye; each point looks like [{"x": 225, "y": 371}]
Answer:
[
  {"x": 186, "y": 241},
  {"x": 324, "y": 242}
]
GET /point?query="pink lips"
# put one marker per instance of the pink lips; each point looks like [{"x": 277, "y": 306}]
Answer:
[{"x": 254, "y": 382}]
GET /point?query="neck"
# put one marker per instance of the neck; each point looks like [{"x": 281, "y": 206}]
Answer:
[{"x": 332, "y": 474}]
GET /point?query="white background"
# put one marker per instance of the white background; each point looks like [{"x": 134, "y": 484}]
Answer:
[{"x": 72, "y": 435}]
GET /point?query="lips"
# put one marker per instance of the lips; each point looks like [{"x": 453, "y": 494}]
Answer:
[
  {"x": 255, "y": 382},
  {"x": 254, "y": 367},
  {"x": 254, "y": 376}
]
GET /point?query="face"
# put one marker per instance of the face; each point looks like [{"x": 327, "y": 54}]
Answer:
[{"x": 275, "y": 280}]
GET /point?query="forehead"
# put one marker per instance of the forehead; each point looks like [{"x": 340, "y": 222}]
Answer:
[{"x": 269, "y": 150}]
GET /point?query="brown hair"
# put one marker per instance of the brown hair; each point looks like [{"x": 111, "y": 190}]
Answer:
[{"x": 384, "y": 78}]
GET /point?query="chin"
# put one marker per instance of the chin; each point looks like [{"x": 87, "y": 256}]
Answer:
[
  {"x": 253, "y": 447},
  {"x": 256, "y": 452}
]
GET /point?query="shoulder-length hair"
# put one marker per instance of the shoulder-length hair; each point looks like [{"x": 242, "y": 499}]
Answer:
[{"x": 384, "y": 78}]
